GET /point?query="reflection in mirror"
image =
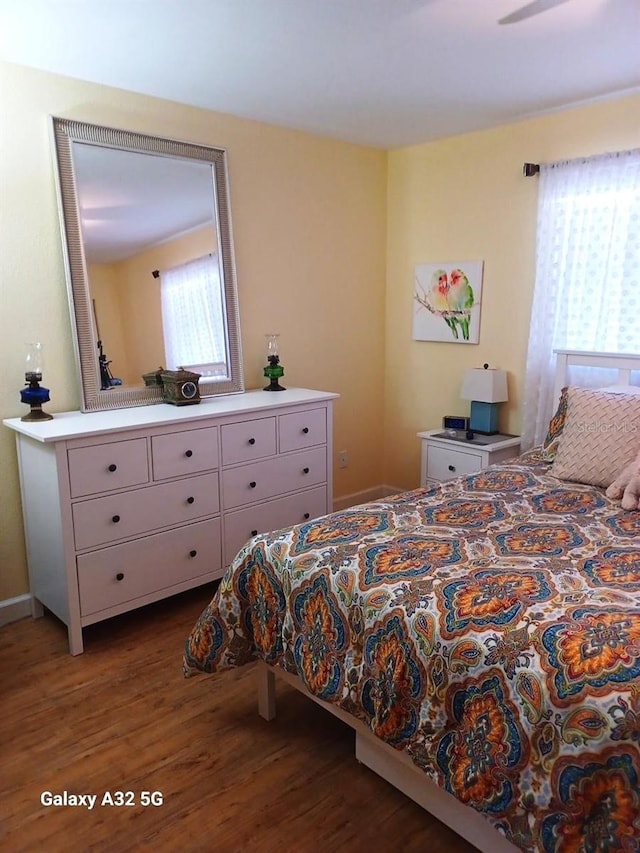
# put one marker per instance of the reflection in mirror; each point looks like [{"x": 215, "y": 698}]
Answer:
[{"x": 150, "y": 263}]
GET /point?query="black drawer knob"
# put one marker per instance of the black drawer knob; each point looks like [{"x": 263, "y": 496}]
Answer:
[
  {"x": 306, "y": 516},
  {"x": 112, "y": 468},
  {"x": 305, "y": 470},
  {"x": 193, "y": 553},
  {"x": 120, "y": 576},
  {"x": 252, "y": 441},
  {"x": 115, "y": 518},
  {"x": 305, "y": 430},
  {"x": 188, "y": 453},
  {"x": 254, "y": 532},
  {"x": 452, "y": 467},
  {"x": 252, "y": 484},
  {"x": 190, "y": 500}
]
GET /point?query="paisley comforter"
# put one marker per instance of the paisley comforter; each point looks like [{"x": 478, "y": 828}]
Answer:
[{"x": 489, "y": 627}]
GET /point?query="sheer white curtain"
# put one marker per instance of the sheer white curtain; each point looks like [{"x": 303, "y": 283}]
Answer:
[
  {"x": 587, "y": 287},
  {"x": 192, "y": 314}
]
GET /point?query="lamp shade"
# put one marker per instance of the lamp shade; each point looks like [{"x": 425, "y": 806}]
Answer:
[{"x": 485, "y": 385}]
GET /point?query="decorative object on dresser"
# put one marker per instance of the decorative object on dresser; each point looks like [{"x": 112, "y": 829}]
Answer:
[
  {"x": 180, "y": 387},
  {"x": 125, "y": 507},
  {"x": 486, "y": 388},
  {"x": 274, "y": 370},
  {"x": 34, "y": 395},
  {"x": 153, "y": 377},
  {"x": 444, "y": 457}
]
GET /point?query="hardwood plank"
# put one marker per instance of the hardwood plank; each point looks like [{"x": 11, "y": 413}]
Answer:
[{"x": 121, "y": 717}]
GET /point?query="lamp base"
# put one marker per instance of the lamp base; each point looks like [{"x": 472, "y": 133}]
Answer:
[
  {"x": 34, "y": 395},
  {"x": 484, "y": 418},
  {"x": 274, "y": 371},
  {"x": 36, "y": 414}
]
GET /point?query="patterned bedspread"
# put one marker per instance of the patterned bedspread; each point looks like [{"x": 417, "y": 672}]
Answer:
[{"x": 489, "y": 627}]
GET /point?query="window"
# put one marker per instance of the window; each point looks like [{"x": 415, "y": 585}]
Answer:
[
  {"x": 587, "y": 287},
  {"x": 193, "y": 317}
]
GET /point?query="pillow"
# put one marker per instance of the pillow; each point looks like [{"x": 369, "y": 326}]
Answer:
[
  {"x": 556, "y": 425},
  {"x": 634, "y": 390},
  {"x": 601, "y": 435}
]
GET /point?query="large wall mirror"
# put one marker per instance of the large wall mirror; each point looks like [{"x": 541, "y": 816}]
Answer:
[{"x": 149, "y": 258}]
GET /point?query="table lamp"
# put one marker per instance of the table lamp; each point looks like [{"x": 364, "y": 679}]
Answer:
[{"x": 486, "y": 388}]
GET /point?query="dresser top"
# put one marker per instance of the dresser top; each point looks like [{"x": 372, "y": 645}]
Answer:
[{"x": 66, "y": 425}]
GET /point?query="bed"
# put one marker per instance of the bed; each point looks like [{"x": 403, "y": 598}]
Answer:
[{"x": 482, "y": 636}]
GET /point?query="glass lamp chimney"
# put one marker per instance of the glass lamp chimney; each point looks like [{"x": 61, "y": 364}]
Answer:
[{"x": 34, "y": 362}]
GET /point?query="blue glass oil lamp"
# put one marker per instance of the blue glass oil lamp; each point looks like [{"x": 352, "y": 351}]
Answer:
[{"x": 34, "y": 395}]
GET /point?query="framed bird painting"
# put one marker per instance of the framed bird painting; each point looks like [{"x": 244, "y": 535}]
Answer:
[{"x": 446, "y": 302}]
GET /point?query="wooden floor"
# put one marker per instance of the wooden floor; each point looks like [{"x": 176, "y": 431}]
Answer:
[{"x": 121, "y": 717}]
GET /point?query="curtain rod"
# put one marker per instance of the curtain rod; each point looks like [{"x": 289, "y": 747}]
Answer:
[
  {"x": 156, "y": 273},
  {"x": 530, "y": 169}
]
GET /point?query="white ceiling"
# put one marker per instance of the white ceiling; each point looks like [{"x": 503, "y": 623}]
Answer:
[
  {"x": 385, "y": 73},
  {"x": 129, "y": 201}
]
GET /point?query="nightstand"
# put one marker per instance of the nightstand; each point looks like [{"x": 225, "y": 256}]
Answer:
[{"x": 445, "y": 456}]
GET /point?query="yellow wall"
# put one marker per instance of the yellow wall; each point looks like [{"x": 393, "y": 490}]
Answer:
[
  {"x": 464, "y": 198},
  {"x": 104, "y": 280},
  {"x": 309, "y": 229},
  {"x": 314, "y": 222}
]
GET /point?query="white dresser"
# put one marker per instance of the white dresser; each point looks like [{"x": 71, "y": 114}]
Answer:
[{"x": 125, "y": 507}]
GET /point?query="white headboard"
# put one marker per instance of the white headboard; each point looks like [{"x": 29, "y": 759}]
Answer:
[{"x": 566, "y": 358}]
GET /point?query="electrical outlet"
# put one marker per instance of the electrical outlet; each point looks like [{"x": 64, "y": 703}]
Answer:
[{"x": 343, "y": 459}]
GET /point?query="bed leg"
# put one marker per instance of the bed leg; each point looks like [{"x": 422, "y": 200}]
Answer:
[{"x": 266, "y": 692}]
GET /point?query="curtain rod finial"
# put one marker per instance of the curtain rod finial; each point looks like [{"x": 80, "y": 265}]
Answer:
[{"x": 530, "y": 169}]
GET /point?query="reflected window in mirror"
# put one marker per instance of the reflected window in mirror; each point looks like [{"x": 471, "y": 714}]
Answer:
[
  {"x": 192, "y": 317},
  {"x": 132, "y": 204}
]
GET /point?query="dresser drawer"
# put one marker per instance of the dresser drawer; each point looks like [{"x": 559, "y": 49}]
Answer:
[
  {"x": 110, "y": 465},
  {"x": 121, "y": 573},
  {"x": 302, "y": 429},
  {"x": 445, "y": 464},
  {"x": 113, "y": 517},
  {"x": 247, "y": 440},
  {"x": 252, "y": 483},
  {"x": 181, "y": 453},
  {"x": 242, "y": 524}
]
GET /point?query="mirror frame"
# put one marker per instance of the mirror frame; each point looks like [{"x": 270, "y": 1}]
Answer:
[{"x": 64, "y": 133}]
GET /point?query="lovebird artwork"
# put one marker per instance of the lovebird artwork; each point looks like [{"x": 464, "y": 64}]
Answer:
[{"x": 446, "y": 302}]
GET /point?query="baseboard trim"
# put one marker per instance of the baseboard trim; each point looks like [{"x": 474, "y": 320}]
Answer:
[
  {"x": 373, "y": 494},
  {"x": 14, "y": 609}
]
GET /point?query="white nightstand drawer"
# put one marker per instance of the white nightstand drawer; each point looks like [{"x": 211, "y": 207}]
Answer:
[
  {"x": 111, "y": 576},
  {"x": 444, "y": 458},
  {"x": 188, "y": 452},
  {"x": 445, "y": 464}
]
